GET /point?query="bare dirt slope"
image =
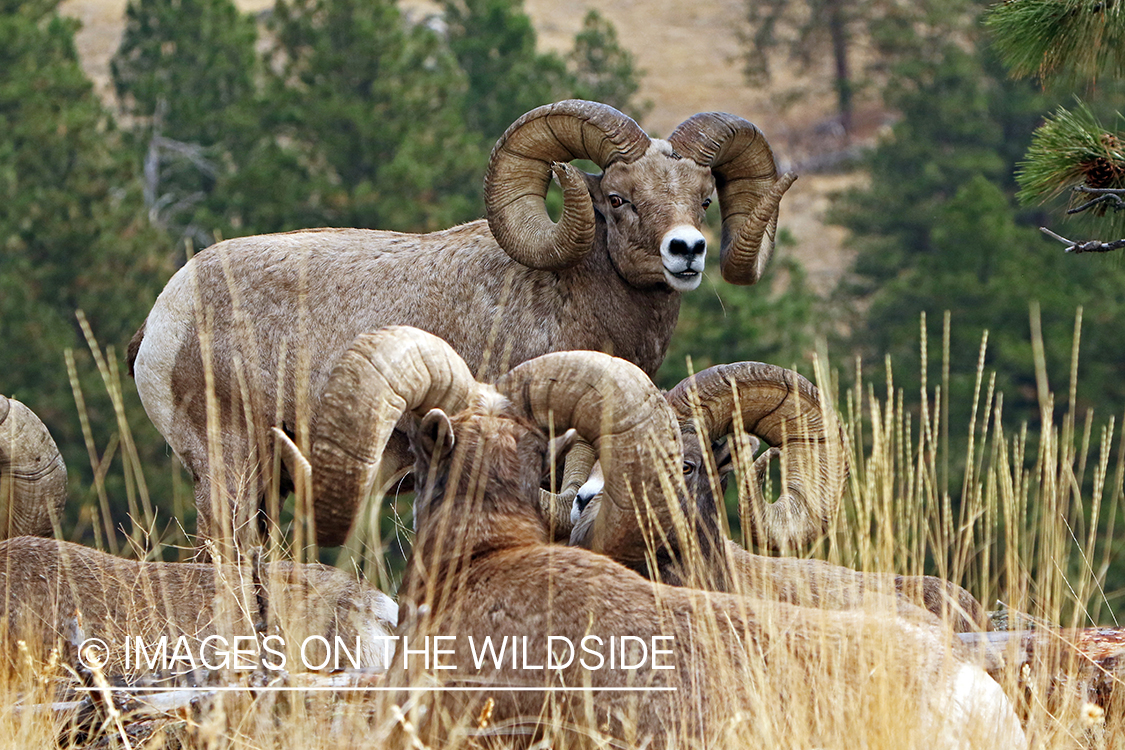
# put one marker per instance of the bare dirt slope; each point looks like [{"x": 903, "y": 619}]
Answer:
[{"x": 690, "y": 53}]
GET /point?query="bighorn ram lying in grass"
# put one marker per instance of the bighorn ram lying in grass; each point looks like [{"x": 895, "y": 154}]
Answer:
[
  {"x": 57, "y": 590},
  {"x": 60, "y": 593},
  {"x": 722, "y": 671},
  {"x": 244, "y": 336},
  {"x": 32, "y": 470},
  {"x": 744, "y": 402}
]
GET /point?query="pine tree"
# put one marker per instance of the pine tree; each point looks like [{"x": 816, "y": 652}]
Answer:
[
  {"x": 495, "y": 45},
  {"x": 373, "y": 108},
  {"x": 73, "y": 235},
  {"x": 1064, "y": 44},
  {"x": 938, "y": 228},
  {"x": 858, "y": 40},
  {"x": 184, "y": 71},
  {"x": 604, "y": 70}
]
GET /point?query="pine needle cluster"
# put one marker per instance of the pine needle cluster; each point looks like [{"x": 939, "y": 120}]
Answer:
[
  {"x": 1060, "y": 41},
  {"x": 1073, "y": 149}
]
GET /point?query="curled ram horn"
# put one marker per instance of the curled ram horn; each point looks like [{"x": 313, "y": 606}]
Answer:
[
  {"x": 612, "y": 404},
  {"x": 383, "y": 375},
  {"x": 785, "y": 410},
  {"x": 556, "y": 506},
  {"x": 750, "y": 189},
  {"x": 32, "y": 473},
  {"x": 534, "y": 147}
]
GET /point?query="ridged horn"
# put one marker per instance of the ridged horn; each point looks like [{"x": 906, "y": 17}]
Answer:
[
  {"x": 382, "y": 375},
  {"x": 32, "y": 473},
  {"x": 785, "y": 410},
  {"x": 613, "y": 405},
  {"x": 749, "y": 188},
  {"x": 556, "y": 507},
  {"x": 543, "y": 141}
]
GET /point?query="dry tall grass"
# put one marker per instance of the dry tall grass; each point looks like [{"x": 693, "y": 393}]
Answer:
[{"x": 1029, "y": 527}]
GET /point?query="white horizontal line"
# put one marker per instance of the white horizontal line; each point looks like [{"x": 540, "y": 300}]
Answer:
[{"x": 344, "y": 689}]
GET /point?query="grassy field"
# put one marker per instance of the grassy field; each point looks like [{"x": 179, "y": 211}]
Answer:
[
  {"x": 1029, "y": 523},
  {"x": 1024, "y": 518}
]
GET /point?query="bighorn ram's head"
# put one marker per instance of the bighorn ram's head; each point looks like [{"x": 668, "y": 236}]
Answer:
[
  {"x": 32, "y": 473},
  {"x": 768, "y": 402},
  {"x": 652, "y": 193},
  {"x": 607, "y": 401}
]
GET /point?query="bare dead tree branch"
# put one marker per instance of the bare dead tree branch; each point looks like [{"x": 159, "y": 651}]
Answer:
[
  {"x": 1090, "y": 246},
  {"x": 1109, "y": 197}
]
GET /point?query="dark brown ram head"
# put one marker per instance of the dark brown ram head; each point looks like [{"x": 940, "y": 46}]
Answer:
[
  {"x": 746, "y": 403},
  {"x": 652, "y": 193}
]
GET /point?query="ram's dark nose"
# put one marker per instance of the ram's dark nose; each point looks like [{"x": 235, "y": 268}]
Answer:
[{"x": 687, "y": 248}]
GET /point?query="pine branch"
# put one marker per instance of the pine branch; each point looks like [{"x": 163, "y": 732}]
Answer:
[
  {"x": 1073, "y": 151},
  {"x": 1063, "y": 41},
  {"x": 1106, "y": 198}
]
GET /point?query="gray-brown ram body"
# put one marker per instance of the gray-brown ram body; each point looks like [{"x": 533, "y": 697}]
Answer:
[
  {"x": 58, "y": 594},
  {"x": 481, "y": 566},
  {"x": 251, "y": 327},
  {"x": 744, "y": 402}
]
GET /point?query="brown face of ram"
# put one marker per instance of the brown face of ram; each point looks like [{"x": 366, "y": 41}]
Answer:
[
  {"x": 654, "y": 210},
  {"x": 477, "y": 482}
]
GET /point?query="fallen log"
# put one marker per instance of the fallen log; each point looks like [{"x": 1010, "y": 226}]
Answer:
[{"x": 1059, "y": 664}]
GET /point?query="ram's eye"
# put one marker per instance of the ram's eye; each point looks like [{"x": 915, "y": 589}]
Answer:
[
  {"x": 616, "y": 201},
  {"x": 689, "y": 467},
  {"x": 706, "y": 203}
]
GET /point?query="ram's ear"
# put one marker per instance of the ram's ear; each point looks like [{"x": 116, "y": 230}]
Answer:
[
  {"x": 594, "y": 185},
  {"x": 558, "y": 447},
  {"x": 435, "y": 434}
]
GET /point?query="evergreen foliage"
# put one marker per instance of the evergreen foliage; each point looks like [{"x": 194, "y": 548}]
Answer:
[
  {"x": 374, "y": 108},
  {"x": 358, "y": 115},
  {"x": 1072, "y": 149},
  {"x": 604, "y": 70},
  {"x": 938, "y": 229},
  {"x": 73, "y": 234},
  {"x": 495, "y": 45},
  {"x": 1060, "y": 41},
  {"x": 1066, "y": 43},
  {"x": 960, "y": 119},
  {"x": 184, "y": 72},
  {"x": 858, "y": 41},
  {"x": 191, "y": 61}
]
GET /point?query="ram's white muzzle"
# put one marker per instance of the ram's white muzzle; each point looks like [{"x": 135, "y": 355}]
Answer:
[{"x": 683, "y": 251}]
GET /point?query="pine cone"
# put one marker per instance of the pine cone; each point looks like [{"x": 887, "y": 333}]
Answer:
[{"x": 1100, "y": 172}]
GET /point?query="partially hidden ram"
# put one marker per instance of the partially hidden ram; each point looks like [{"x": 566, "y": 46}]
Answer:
[
  {"x": 723, "y": 670},
  {"x": 32, "y": 473},
  {"x": 244, "y": 336},
  {"x": 59, "y": 594},
  {"x": 747, "y": 403}
]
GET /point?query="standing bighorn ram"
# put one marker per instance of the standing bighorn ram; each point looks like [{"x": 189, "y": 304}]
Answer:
[
  {"x": 717, "y": 670},
  {"x": 243, "y": 337}
]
